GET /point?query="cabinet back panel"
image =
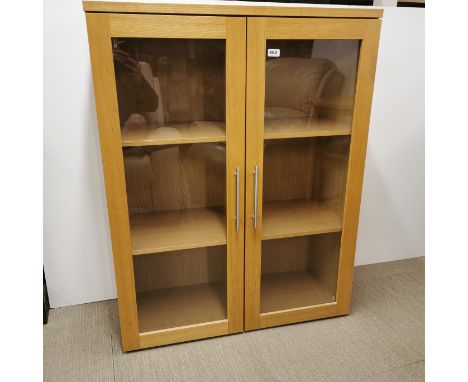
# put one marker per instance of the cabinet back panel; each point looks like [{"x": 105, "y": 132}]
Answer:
[
  {"x": 307, "y": 168},
  {"x": 317, "y": 253},
  {"x": 175, "y": 177},
  {"x": 288, "y": 169},
  {"x": 299, "y": 272},
  {"x": 179, "y": 268},
  {"x": 331, "y": 168}
]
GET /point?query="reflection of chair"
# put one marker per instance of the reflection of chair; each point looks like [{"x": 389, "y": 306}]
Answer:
[
  {"x": 156, "y": 117},
  {"x": 295, "y": 85}
]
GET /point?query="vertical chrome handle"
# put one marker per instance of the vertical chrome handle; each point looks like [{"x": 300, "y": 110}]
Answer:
[
  {"x": 237, "y": 198},
  {"x": 255, "y": 197}
]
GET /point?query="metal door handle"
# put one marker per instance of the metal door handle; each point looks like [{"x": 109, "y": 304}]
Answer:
[
  {"x": 237, "y": 198},
  {"x": 255, "y": 197}
]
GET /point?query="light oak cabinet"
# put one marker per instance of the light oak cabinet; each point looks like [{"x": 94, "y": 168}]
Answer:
[{"x": 233, "y": 142}]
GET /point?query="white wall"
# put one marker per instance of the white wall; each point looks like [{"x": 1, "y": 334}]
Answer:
[
  {"x": 77, "y": 249},
  {"x": 392, "y": 209}
]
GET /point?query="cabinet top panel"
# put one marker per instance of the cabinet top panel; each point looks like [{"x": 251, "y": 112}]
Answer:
[{"x": 234, "y": 8}]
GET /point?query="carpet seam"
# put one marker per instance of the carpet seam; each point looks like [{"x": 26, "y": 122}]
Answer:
[
  {"x": 112, "y": 356},
  {"x": 396, "y": 368}
]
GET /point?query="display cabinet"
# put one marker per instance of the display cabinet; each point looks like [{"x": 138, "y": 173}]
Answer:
[{"x": 233, "y": 141}]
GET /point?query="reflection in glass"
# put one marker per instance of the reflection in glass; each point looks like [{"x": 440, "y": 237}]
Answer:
[
  {"x": 170, "y": 89},
  {"x": 309, "y": 89}
]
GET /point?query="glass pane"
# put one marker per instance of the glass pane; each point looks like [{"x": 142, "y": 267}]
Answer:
[
  {"x": 171, "y": 100},
  {"x": 176, "y": 196},
  {"x": 177, "y": 207},
  {"x": 309, "y": 87},
  {"x": 309, "y": 100},
  {"x": 170, "y": 90},
  {"x": 299, "y": 272},
  {"x": 304, "y": 182},
  {"x": 180, "y": 288}
]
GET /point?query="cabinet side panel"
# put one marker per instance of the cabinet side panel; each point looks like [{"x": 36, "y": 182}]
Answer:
[
  {"x": 235, "y": 146},
  {"x": 109, "y": 133},
  {"x": 256, "y": 43},
  {"x": 357, "y": 157}
]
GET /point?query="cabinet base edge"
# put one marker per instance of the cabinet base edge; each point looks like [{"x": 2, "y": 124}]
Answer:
[
  {"x": 292, "y": 316},
  {"x": 183, "y": 334},
  {"x": 220, "y": 328}
]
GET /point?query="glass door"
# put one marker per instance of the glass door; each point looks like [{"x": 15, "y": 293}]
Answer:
[
  {"x": 179, "y": 139},
  {"x": 301, "y": 124},
  {"x": 171, "y": 99}
]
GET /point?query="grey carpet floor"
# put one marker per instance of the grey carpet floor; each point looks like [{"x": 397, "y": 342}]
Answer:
[{"x": 381, "y": 340}]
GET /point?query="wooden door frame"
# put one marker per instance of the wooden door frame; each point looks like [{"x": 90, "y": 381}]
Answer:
[
  {"x": 101, "y": 28},
  {"x": 259, "y": 29}
]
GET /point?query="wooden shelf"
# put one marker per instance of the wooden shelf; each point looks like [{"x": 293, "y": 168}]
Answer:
[
  {"x": 292, "y": 218},
  {"x": 175, "y": 134},
  {"x": 178, "y": 229},
  {"x": 305, "y": 127},
  {"x": 289, "y": 290},
  {"x": 181, "y": 306}
]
